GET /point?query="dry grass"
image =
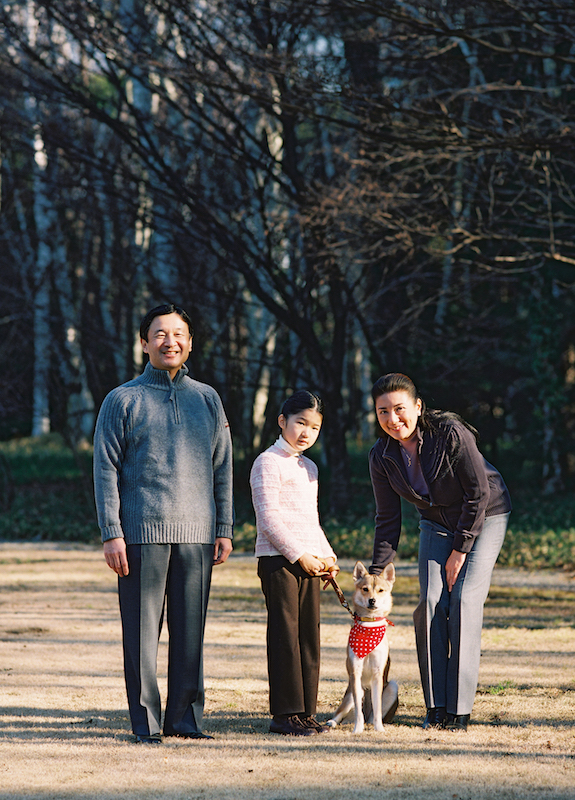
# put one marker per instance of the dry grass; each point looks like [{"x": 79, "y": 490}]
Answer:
[{"x": 64, "y": 726}]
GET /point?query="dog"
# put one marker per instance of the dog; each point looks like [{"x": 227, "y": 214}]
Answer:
[{"x": 368, "y": 666}]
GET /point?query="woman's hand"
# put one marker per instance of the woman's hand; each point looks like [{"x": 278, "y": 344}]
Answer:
[
  {"x": 311, "y": 564},
  {"x": 453, "y": 567}
]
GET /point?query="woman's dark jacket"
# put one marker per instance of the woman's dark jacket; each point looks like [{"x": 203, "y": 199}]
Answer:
[{"x": 463, "y": 488}]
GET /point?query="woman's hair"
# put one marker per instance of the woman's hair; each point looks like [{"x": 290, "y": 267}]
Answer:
[
  {"x": 430, "y": 419},
  {"x": 301, "y": 401},
  {"x": 396, "y": 382}
]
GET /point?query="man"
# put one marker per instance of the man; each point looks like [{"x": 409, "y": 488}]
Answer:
[{"x": 163, "y": 487}]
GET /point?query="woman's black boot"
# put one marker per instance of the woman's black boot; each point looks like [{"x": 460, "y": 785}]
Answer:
[{"x": 434, "y": 718}]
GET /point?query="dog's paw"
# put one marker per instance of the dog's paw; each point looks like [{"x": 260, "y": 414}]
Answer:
[{"x": 332, "y": 723}]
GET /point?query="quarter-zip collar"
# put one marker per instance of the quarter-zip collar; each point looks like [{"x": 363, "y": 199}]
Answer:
[{"x": 160, "y": 378}]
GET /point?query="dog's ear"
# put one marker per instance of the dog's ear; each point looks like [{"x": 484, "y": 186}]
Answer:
[
  {"x": 389, "y": 573},
  {"x": 359, "y": 571}
]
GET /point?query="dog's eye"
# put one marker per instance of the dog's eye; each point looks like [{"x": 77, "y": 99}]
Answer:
[{"x": 365, "y": 589}]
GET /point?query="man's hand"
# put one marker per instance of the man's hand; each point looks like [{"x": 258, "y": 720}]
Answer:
[
  {"x": 222, "y": 549},
  {"x": 453, "y": 567},
  {"x": 115, "y": 555}
]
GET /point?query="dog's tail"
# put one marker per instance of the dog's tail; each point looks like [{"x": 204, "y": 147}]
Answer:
[{"x": 389, "y": 701}]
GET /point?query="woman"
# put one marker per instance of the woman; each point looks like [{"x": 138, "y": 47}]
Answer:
[{"x": 430, "y": 458}]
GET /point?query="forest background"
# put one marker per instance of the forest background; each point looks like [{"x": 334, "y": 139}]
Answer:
[{"x": 334, "y": 190}]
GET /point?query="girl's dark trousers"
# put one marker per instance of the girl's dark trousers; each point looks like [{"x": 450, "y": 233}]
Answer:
[{"x": 292, "y": 600}]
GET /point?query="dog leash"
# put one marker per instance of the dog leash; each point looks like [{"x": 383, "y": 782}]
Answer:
[
  {"x": 339, "y": 593},
  {"x": 345, "y": 604}
]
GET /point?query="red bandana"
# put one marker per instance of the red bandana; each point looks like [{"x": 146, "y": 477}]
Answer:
[{"x": 363, "y": 640}]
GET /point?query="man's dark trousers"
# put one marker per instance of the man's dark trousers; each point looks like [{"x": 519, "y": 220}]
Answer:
[{"x": 177, "y": 577}]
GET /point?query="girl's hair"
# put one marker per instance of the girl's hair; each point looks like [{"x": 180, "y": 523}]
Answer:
[
  {"x": 430, "y": 419},
  {"x": 300, "y": 401}
]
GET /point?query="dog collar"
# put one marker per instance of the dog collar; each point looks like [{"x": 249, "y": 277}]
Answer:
[{"x": 357, "y": 618}]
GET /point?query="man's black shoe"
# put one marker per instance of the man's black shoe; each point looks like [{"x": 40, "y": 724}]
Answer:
[
  {"x": 190, "y": 735},
  {"x": 456, "y": 722},
  {"x": 153, "y": 738},
  {"x": 434, "y": 718},
  {"x": 291, "y": 726}
]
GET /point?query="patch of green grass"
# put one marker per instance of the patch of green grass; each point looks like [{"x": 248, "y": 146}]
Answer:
[{"x": 502, "y": 687}]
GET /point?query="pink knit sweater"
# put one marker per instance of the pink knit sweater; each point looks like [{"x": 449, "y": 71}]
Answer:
[{"x": 284, "y": 494}]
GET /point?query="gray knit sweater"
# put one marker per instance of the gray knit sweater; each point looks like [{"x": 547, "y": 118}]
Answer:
[{"x": 163, "y": 462}]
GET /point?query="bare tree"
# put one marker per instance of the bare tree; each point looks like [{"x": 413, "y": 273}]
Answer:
[{"x": 345, "y": 171}]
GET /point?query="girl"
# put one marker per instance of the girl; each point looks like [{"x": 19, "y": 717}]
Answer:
[
  {"x": 430, "y": 458},
  {"x": 292, "y": 552}
]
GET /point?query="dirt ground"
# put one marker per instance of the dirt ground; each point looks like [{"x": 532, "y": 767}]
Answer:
[{"x": 64, "y": 729}]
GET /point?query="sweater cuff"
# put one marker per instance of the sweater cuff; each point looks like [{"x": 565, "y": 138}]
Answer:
[
  {"x": 463, "y": 544},
  {"x": 296, "y": 558},
  {"x": 112, "y": 532},
  {"x": 224, "y": 531}
]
